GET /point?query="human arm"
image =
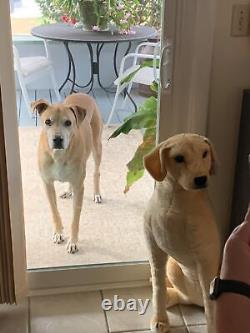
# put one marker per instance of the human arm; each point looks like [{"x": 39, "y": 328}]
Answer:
[{"x": 233, "y": 310}]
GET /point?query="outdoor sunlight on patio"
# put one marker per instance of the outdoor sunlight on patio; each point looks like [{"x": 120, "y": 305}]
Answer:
[
  {"x": 23, "y": 26},
  {"x": 87, "y": 61}
]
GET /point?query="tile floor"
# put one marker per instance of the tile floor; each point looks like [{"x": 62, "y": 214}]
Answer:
[{"x": 82, "y": 313}]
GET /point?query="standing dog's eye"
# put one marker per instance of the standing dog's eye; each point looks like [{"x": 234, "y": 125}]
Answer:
[
  {"x": 205, "y": 154},
  {"x": 48, "y": 122},
  {"x": 67, "y": 123},
  {"x": 179, "y": 159}
]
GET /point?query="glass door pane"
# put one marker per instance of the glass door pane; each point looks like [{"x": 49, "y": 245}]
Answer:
[
  {"x": 110, "y": 232},
  {"x": 111, "y": 247}
]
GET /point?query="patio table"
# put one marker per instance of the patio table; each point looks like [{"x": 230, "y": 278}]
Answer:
[{"x": 69, "y": 34}]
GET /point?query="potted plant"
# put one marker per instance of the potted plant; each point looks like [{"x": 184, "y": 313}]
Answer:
[
  {"x": 103, "y": 14},
  {"x": 94, "y": 14},
  {"x": 144, "y": 119}
]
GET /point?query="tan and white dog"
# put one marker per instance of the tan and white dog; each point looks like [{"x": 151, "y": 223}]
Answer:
[
  {"x": 70, "y": 132},
  {"x": 180, "y": 227}
]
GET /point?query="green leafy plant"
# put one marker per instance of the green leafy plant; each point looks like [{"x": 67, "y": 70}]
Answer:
[
  {"x": 97, "y": 14},
  {"x": 94, "y": 14},
  {"x": 145, "y": 118},
  {"x": 50, "y": 11}
]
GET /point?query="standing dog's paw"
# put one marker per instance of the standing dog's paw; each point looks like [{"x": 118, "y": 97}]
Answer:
[
  {"x": 72, "y": 247},
  {"x": 158, "y": 326},
  {"x": 97, "y": 198},
  {"x": 66, "y": 195},
  {"x": 58, "y": 238}
]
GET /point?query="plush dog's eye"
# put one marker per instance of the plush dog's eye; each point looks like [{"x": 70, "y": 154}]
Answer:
[
  {"x": 205, "y": 154},
  {"x": 179, "y": 159},
  {"x": 67, "y": 123},
  {"x": 48, "y": 122}
]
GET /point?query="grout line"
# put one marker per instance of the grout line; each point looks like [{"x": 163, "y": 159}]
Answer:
[
  {"x": 186, "y": 323},
  {"x": 148, "y": 329},
  {"x": 182, "y": 316},
  {"x": 131, "y": 331},
  {"x": 105, "y": 314}
]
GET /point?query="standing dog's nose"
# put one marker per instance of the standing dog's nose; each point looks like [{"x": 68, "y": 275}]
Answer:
[
  {"x": 200, "y": 181},
  {"x": 58, "y": 142}
]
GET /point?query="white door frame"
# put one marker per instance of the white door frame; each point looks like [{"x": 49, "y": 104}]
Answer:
[
  {"x": 7, "y": 83},
  {"x": 189, "y": 25}
]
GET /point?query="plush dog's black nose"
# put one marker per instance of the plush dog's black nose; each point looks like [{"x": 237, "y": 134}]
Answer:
[
  {"x": 58, "y": 142},
  {"x": 200, "y": 181}
]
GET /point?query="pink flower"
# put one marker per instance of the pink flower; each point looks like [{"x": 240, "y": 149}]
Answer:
[
  {"x": 123, "y": 32},
  {"x": 73, "y": 20},
  {"x": 95, "y": 28},
  {"x": 120, "y": 6},
  {"x": 127, "y": 15},
  {"x": 65, "y": 18}
]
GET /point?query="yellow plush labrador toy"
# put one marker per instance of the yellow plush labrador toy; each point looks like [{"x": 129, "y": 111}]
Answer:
[{"x": 180, "y": 227}]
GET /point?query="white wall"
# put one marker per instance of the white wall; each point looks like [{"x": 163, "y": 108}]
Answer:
[{"x": 230, "y": 74}]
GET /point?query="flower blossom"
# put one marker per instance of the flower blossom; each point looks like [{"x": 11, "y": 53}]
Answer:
[
  {"x": 73, "y": 20},
  {"x": 120, "y": 6},
  {"x": 65, "y": 18}
]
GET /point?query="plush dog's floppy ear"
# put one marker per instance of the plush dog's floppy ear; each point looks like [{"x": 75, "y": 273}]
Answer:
[
  {"x": 155, "y": 162},
  {"x": 40, "y": 105},
  {"x": 79, "y": 113},
  {"x": 214, "y": 160}
]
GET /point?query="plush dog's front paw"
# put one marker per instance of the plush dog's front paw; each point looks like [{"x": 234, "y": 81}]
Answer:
[
  {"x": 97, "y": 198},
  {"x": 159, "y": 326},
  {"x": 66, "y": 195},
  {"x": 58, "y": 238},
  {"x": 72, "y": 247}
]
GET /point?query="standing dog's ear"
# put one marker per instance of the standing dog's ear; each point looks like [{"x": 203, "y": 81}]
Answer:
[
  {"x": 155, "y": 162},
  {"x": 79, "y": 113},
  {"x": 214, "y": 160},
  {"x": 39, "y": 106}
]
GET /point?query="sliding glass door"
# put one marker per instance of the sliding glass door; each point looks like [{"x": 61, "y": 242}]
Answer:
[{"x": 112, "y": 250}]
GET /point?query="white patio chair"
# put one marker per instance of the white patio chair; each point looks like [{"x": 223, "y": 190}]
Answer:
[
  {"x": 31, "y": 69},
  {"x": 144, "y": 75}
]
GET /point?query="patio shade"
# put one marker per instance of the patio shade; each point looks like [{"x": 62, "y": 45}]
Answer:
[{"x": 7, "y": 286}]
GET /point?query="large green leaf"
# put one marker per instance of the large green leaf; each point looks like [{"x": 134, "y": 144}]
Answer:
[
  {"x": 132, "y": 177},
  {"x": 144, "y": 118},
  {"x": 150, "y": 63},
  {"x": 130, "y": 76},
  {"x": 154, "y": 87},
  {"x": 136, "y": 166},
  {"x": 146, "y": 63}
]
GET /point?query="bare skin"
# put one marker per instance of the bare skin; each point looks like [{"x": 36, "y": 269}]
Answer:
[{"x": 232, "y": 310}]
